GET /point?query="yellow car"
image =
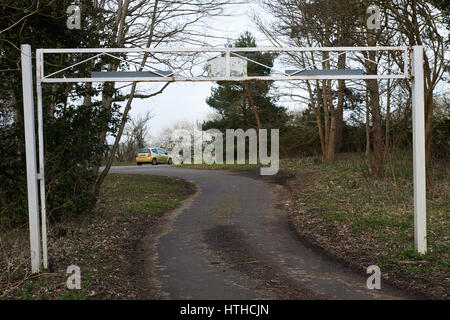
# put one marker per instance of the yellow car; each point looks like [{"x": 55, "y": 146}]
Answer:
[{"x": 153, "y": 156}]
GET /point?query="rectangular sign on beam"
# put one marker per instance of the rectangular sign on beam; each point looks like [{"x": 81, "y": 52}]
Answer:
[
  {"x": 130, "y": 74},
  {"x": 217, "y": 67},
  {"x": 336, "y": 72}
]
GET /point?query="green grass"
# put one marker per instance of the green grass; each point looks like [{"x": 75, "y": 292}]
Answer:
[
  {"x": 94, "y": 241},
  {"x": 30, "y": 287},
  {"x": 123, "y": 163},
  {"x": 380, "y": 211},
  {"x": 87, "y": 283},
  {"x": 147, "y": 195}
]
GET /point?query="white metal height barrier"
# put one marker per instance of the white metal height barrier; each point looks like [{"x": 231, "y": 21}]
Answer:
[{"x": 412, "y": 70}]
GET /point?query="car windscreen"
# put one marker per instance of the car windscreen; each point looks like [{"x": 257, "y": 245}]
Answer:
[{"x": 144, "y": 151}]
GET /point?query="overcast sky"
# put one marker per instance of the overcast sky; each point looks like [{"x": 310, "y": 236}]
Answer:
[{"x": 184, "y": 100}]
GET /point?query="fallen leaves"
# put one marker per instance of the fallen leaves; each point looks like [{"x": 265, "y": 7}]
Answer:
[{"x": 361, "y": 223}]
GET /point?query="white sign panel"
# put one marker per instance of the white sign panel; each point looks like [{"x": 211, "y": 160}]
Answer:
[{"x": 217, "y": 67}]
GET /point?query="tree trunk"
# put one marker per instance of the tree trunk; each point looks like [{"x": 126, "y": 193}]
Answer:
[
  {"x": 326, "y": 117},
  {"x": 52, "y": 104},
  {"x": 340, "y": 107},
  {"x": 338, "y": 140},
  {"x": 315, "y": 105},
  {"x": 331, "y": 144},
  {"x": 374, "y": 96},
  {"x": 378, "y": 129},
  {"x": 252, "y": 105},
  {"x": 388, "y": 118},
  {"x": 429, "y": 105},
  {"x": 329, "y": 112},
  {"x": 367, "y": 123},
  {"x": 87, "y": 101},
  {"x": 330, "y": 122},
  {"x": 18, "y": 115},
  {"x": 319, "y": 127}
]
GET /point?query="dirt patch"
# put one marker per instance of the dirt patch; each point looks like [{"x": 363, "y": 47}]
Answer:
[{"x": 231, "y": 245}]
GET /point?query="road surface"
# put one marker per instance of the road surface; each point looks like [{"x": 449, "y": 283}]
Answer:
[{"x": 232, "y": 241}]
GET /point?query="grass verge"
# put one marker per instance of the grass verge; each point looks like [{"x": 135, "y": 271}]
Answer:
[
  {"x": 101, "y": 243},
  {"x": 122, "y": 163},
  {"x": 370, "y": 221}
]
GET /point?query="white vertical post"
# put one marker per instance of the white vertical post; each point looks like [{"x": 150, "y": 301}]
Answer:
[
  {"x": 30, "y": 150},
  {"x": 41, "y": 176},
  {"x": 418, "y": 115}
]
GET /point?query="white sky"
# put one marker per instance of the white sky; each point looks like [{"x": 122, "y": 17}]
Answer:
[{"x": 186, "y": 101}]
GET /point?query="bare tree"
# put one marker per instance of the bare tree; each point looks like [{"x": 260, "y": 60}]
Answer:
[
  {"x": 418, "y": 22},
  {"x": 23, "y": 11},
  {"x": 150, "y": 24},
  {"x": 337, "y": 23},
  {"x": 136, "y": 135},
  {"x": 367, "y": 123},
  {"x": 166, "y": 140},
  {"x": 316, "y": 23}
]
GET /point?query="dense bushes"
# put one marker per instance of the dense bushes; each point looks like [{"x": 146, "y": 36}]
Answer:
[
  {"x": 73, "y": 153},
  {"x": 441, "y": 138},
  {"x": 13, "y": 188}
]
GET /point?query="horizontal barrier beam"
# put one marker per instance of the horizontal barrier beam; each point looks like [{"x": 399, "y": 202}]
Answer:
[
  {"x": 204, "y": 79},
  {"x": 209, "y": 49}
]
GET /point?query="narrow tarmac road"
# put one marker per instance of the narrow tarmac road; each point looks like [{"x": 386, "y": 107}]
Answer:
[{"x": 232, "y": 241}]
